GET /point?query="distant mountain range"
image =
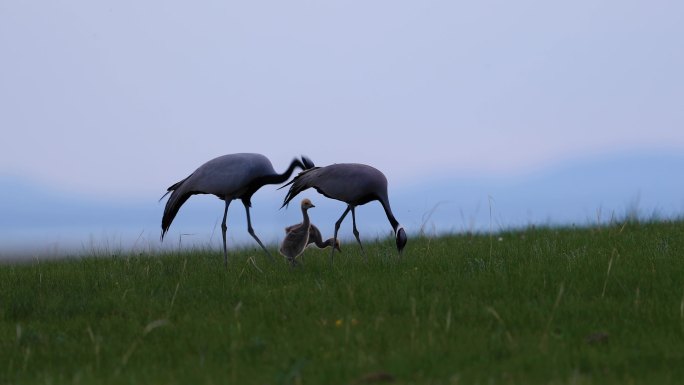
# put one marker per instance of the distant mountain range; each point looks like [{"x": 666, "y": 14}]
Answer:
[
  {"x": 579, "y": 192},
  {"x": 37, "y": 219}
]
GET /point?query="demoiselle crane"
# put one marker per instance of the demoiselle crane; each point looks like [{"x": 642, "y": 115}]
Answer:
[
  {"x": 352, "y": 183},
  {"x": 229, "y": 177}
]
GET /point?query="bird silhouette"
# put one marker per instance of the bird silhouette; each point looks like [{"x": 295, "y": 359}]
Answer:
[
  {"x": 229, "y": 177},
  {"x": 352, "y": 183},
  {"x": 297, "y": 237}
]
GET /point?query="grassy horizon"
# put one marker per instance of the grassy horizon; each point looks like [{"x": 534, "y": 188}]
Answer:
[{"x": 539, "y": 305}]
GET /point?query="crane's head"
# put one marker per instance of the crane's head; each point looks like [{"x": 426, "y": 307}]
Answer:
[
  {"x": 401, "y": 238},
  {"x": 337, "y": 245},
  {"x": 307, "y": 163},
  {"x": 306, "y": 204}
]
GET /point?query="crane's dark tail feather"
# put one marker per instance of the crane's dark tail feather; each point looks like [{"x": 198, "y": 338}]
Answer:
[
  {"x": 176, "y": 200},
  {"x": 174, "y": 204},
  {"x": 165, "y": 194},
  {"x": 300, "y": 183},
  {"x": 286, "y": 184},
  {"x": 174, "y": 187}
]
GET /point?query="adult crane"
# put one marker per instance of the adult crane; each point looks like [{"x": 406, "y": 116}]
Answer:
[
  {"x": 229, "y": 177},
  {"x": 352, "y": 183}
]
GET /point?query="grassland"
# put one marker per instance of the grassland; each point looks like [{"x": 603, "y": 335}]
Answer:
[{"x": 549, "y": 306}]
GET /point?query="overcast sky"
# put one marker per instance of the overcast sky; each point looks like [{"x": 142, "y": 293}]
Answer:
[{"x": 123, "y": 98}]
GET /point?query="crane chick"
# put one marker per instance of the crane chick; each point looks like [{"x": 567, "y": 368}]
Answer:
[
  {"x": 298, "y": 237},
  {"x": 316, "y": 238}
]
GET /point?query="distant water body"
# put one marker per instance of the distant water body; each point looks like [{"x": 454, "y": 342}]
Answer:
[{"x": 36, "y": 222}]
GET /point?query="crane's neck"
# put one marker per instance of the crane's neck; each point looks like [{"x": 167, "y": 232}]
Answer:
[
  {"x": 280, "y": 178},
  {"x": 390, "y": 216},
  {"x": 320, "y": 244},
  {"x": 315, "y": 238},
  {"x": 399, "y": 232},
  {"x": 306, "y": 222}
]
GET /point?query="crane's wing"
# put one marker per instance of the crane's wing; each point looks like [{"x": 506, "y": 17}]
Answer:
[
  {"x": 292, "y": 227},
  {"x": 352, "y": 183}
]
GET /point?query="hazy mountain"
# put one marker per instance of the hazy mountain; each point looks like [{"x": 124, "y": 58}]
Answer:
[
  {"x": 577, "y": 192},
  {"x": 39, "y": 218}
]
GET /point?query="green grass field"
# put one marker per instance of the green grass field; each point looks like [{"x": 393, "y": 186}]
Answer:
[{"x": 549, "y": 306}]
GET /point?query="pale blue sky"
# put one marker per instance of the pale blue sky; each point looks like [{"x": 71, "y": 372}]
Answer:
[
  {"x": 123, "y": 98},
  {"x": 543, "y": 112}
]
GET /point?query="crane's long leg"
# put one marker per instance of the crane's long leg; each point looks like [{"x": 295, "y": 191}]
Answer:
[
  {"x": 356, "y": 233},
  {"x": 223, "y": 233},
  {"x": 337, "y": 227},
  {"x": 251, "y": 232}
]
